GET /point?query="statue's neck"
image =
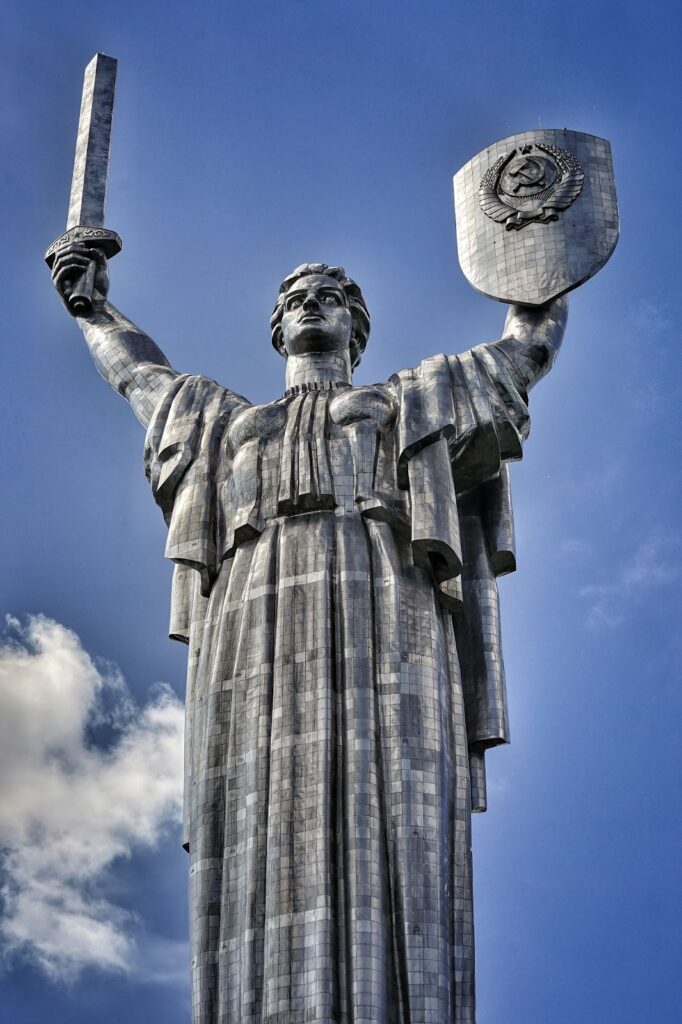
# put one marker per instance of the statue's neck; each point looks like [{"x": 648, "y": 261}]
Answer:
[{"x": 319, "y": 367}]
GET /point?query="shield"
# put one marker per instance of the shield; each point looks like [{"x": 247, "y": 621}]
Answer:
[{"x": 536, "y": 215}]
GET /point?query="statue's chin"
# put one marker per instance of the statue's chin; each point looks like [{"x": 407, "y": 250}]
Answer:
[{"x": 314, "y": 341}]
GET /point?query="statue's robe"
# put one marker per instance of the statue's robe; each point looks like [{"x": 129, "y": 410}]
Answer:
[{"x": 336, "y": 554}]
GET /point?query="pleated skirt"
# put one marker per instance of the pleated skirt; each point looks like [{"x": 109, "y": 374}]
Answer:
[{"x": 330, "y": 872}]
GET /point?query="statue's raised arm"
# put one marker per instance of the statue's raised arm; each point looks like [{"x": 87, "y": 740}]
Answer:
[
  {"x": 532, "y": 338},
  {"x": 126, "y": 357}
]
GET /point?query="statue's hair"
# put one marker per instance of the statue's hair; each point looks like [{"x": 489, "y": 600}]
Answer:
[{"x": 356, "y": 304}]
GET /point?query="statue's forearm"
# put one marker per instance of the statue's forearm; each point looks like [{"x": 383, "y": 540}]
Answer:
[
  {"x": 532, "y": 338},
  {"x": 127, "y": 358}
]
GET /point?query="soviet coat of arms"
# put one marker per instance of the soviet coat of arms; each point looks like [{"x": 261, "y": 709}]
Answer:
[
  {"x": 533, "y": 182},
  {"x": 536, "y": 214}
]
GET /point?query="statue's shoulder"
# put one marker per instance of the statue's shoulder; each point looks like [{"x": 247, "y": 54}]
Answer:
[
  {"x": 195, "y": 389},
  {"x": 424, "y": 373}
]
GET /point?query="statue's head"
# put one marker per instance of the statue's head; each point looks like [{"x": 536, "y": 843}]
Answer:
[{"x": 319, "y": 309}]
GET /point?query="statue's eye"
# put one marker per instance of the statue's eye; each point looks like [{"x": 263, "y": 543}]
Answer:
[
  {"x": 331, "y": 299},
  {"x": 294, "y": 302}
]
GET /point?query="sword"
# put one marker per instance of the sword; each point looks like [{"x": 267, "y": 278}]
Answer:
[{"x": 85, "y": 221}]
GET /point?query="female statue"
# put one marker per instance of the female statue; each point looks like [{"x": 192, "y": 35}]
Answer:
[{"x": 336, "y": 553}]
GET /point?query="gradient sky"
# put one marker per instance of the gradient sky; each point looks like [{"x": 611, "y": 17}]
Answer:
[{"x": 248, "y": 138}]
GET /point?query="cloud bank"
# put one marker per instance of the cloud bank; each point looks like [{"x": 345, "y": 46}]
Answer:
[{"x": 71, "y": 807}]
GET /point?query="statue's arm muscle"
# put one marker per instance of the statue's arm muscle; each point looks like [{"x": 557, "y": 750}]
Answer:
[
  {"x": 532, "y": 338},
  {"x": 127, "y": 358}
]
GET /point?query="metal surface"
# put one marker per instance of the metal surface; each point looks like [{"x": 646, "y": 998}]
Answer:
[
  {"x": 536, "y": 214},
  {"x": 101, "y": 238},
  {"x": 85, "y": 218}
]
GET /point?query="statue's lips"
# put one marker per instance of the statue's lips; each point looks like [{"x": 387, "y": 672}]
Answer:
[{"x": 309, "y": 317}]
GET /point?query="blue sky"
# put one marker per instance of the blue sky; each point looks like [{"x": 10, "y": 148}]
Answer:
[{"x": 250, "y": 137}]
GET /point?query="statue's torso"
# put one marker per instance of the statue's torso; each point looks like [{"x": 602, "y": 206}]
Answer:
[{"x": 313, "y": 450}]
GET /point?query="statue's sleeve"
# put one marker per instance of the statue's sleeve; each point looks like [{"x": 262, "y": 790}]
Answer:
[
  {"x": 475, "y": 400},
  {"x": 461, "y": 419},
  {"x": 184, "y": 459}
]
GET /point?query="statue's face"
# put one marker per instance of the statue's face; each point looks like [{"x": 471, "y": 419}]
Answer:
[{"x": 316, "y": 316}]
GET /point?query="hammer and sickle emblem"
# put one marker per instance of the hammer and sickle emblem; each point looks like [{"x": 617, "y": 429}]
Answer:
[
  {"x": 536, "y": 184},
  {"x": 528, "y": 172}
]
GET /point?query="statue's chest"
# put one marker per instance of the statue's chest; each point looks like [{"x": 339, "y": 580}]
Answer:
[{"x": 317, "y": 450}]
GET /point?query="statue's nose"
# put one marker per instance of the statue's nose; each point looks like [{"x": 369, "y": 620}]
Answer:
[{"x": 310, "y": 302}]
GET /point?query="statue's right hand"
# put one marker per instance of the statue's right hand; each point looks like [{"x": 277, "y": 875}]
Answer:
[{"x": 70, "y": 263}]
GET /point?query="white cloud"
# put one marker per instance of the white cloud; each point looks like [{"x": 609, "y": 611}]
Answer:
[
  {"x": 70, "y": 808},
  {"x": 656, "y": 562}
]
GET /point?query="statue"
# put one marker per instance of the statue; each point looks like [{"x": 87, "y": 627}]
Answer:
[{"x": 336, "y": 553}]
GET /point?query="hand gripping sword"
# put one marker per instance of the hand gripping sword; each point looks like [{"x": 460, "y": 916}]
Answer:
[{"x": 85, "y": 222}]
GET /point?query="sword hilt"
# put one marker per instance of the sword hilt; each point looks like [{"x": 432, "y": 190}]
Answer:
[{"x": 108, "y": 242}]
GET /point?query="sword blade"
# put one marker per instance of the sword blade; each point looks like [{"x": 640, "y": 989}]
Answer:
[{"x": 91, "y": 163}]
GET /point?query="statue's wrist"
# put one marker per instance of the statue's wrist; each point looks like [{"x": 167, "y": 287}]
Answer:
[{"x": 101, "y": 311}]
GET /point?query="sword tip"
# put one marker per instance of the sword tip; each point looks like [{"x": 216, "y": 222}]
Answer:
[{"x": 102, "y": 59}]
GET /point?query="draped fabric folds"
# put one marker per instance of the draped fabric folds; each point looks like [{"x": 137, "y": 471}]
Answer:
[{"x": 336, "y": 555}]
